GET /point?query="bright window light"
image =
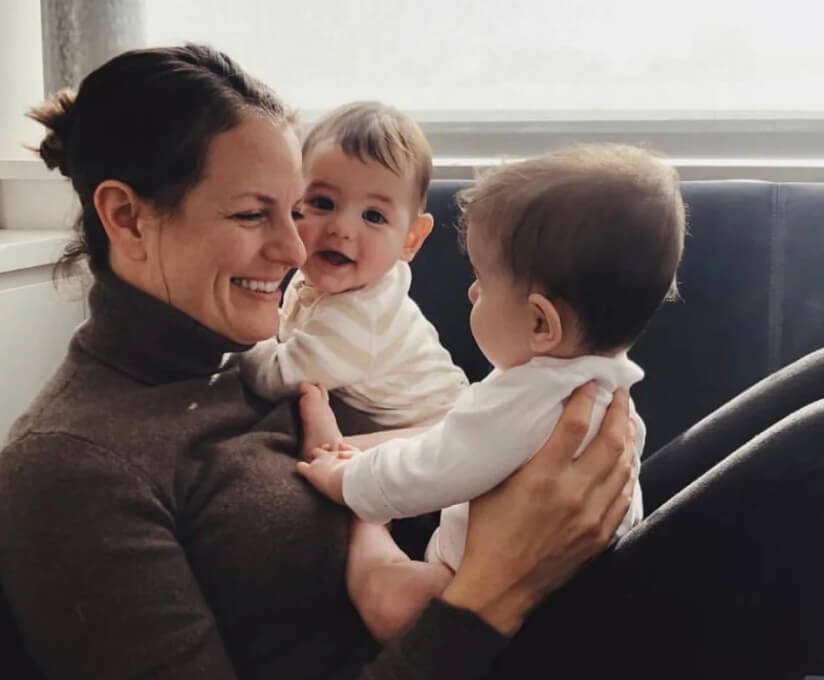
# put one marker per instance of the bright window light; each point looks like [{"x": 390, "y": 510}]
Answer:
[{"x": 479, "y": 59}]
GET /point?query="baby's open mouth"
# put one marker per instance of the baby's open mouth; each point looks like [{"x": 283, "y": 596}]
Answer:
[{"x": 335, "y": 258}]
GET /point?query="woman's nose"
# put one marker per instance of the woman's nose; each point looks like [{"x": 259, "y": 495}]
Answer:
[{"x": 285, "y": 246}]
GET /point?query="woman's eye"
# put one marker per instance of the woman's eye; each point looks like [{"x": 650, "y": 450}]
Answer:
[
  {"x": 321, "y": 203},
  {"x": 254, "y": 216},
  {"x": 374, "y": 216},
  {"x": 297, "y": 214}
]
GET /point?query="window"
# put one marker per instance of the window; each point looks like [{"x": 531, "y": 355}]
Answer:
[
  {"x": 724, "y": 86},
  {"x": 484, "y": 60}
]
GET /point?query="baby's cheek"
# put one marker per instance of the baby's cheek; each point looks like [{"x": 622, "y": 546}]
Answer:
[
  {"x": 474, "y": 321},
  {"x": 305, "y": 231}
]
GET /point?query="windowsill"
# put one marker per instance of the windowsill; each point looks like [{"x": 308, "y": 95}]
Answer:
[
  {"x": 27, "y": 170},
  {"x": 27, "y": 248},
  {"x": 32, "y": 197},
  {"x": 758, "y": 169}
]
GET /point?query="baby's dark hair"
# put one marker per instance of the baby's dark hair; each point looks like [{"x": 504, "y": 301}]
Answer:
[
  {"x": 598, "y": 226},
  {"x": 146, "y": 118},
  {"x": 371, "y": 130}
]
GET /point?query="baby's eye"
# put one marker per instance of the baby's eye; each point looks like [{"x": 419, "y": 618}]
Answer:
[
  {"x": 321, "y": 203},
  {"x": 374, "y": 216},
  {"x": 297, "y": 214}
]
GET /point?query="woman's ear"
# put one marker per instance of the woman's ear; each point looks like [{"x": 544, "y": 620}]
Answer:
[
  {"x": 122, "y": 215},
  {"x": 547, "y": 330},
  {"x": 418, "y": 231}
]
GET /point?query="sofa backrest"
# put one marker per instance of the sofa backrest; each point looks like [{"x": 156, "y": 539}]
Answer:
[{"x": 752, "y": 288}]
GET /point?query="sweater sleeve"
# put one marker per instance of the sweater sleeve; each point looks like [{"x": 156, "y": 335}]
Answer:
[
  {"x": 94, "y": 574},
  {"x": 446, "y": 643}
]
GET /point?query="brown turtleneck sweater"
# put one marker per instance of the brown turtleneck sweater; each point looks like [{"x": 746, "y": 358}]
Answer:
[{"x": 152, "y": 525}]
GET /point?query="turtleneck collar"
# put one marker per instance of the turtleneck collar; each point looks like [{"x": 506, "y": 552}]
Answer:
[{"x": 147, "y": 338}]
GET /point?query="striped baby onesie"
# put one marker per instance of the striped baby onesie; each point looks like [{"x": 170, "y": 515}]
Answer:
[{"x": 372, "y": 346}]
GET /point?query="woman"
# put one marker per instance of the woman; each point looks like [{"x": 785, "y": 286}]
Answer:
[{"x": 151, "y": 524}]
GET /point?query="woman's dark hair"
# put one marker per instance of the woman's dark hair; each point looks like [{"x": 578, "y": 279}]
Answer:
[{"x": 145, "y": 118}]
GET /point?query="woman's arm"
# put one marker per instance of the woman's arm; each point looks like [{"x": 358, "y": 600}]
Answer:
[{"x": 92, "y": 569}]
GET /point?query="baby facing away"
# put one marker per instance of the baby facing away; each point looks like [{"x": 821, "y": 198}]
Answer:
[{"x": 573, "y": 253}]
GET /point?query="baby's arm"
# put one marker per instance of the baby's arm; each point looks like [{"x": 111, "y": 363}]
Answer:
[
  {"x": 452, "y": 462},
  {"x": 481, "y": 441},
  {"x": 260, "y": 368},
  {"x": 318, "y": 353},
  {"x": 367, "y": 441}
]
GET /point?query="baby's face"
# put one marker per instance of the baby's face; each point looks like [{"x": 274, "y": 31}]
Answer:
[
  {"x": 501, "y": 321},
  {"x": 356, "y": 217}
]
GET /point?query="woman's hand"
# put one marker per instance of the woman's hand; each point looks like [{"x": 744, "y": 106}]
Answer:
[{"x": 527, "y": 536}]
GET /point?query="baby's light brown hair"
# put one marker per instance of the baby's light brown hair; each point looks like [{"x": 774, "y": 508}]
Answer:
[
  {"x": 598, "y": 226},
  {"x": 375, "y": 131}
]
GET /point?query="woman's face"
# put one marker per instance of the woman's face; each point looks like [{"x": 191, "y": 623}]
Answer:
[{"x": 221, "y": 257}]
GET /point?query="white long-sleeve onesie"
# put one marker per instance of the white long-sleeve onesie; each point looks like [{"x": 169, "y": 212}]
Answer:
[{"x": 495, "y": 427}]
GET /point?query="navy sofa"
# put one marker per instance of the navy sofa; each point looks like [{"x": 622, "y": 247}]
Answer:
[{"x": 752, "y": 288}]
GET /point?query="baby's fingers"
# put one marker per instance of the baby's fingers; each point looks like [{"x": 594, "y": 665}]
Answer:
[
  {"x": 320, "y": 452},
  {"x": 304, "y": 470},
  {"x": 312, "y": 472}
]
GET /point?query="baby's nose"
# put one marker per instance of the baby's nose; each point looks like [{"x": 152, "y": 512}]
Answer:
[{"x": 339, "y": 226}]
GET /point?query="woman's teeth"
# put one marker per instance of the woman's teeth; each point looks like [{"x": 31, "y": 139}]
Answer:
[{"x": 256, "y": 285}]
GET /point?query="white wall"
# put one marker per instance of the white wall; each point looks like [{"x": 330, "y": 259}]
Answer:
[
  {"x": 35, "y": 321},
  {"x": 34, "y": 337},
  {"x": 21, "y": 76}
]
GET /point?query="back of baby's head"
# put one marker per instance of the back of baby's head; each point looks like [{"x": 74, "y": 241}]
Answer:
[
  {"x": 600, "y": 227},
  {"x": 377, "y": 132}
]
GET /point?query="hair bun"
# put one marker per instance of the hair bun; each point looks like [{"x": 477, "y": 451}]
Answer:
[{"x": 56, "y": 114}]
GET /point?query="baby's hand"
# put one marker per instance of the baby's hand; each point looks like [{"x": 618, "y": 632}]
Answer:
[{"x": 325, "y": 471}]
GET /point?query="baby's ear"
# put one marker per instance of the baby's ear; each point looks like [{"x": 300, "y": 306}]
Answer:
[
  {"x": 547, "y": 329},
  {"x": 418, "y": 231}
]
